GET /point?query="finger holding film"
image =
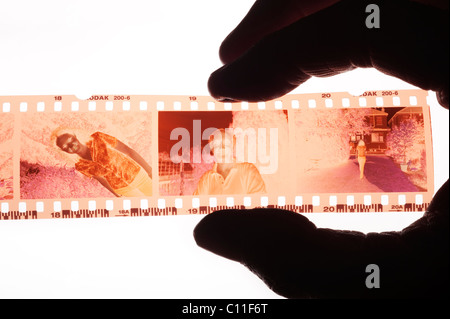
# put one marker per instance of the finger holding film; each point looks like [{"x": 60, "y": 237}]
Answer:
[
  {"x": 262, "y": 240},
  {"x": 336, "y": 40},
  {"x": 264, "y": 18},
  {"x": 282, "y": 60}
]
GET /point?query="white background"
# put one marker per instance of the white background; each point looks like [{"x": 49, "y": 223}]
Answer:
[{"x": 141, "y": 47}]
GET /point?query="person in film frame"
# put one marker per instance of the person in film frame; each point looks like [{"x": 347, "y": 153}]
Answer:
[
  {"x": 228, "y": 176},
  {"x": 361, "y": 155},
  {"x": 116, "y": 166}
]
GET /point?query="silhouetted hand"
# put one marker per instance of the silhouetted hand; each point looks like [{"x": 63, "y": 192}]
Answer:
[{"x": 278, "y": 46}]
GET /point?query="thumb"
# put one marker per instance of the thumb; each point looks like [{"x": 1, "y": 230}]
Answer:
[
  {"x": 287, "y": 251},
  {"x": 297, "y": 260}
]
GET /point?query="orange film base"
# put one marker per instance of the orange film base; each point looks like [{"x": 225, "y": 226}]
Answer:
[{"x": 130, "y": 155}]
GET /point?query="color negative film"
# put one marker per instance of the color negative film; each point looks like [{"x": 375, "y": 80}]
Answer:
[{"x": 118, "y": 155}]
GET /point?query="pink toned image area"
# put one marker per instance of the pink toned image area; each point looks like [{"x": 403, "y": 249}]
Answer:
[{"x": 47, "y": 172}]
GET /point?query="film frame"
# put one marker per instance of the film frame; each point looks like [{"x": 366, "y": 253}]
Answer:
[{"x": 24, "y": 153}]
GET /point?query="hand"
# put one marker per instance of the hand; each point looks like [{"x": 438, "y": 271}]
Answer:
[
  {"x": 275, "y": 48},
  {"x": 278, "y": 46}
]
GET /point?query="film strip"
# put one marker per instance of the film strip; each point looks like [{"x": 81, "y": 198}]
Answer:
[{"x": 122, "y": 155}]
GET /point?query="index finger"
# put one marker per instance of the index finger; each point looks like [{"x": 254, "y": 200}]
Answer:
[
  {"x": 264, "y": 18},
  {"x": 409, "y": 45}
]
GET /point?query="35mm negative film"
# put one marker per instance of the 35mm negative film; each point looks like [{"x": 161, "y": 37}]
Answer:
[{"x": 129, "y": 155}]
